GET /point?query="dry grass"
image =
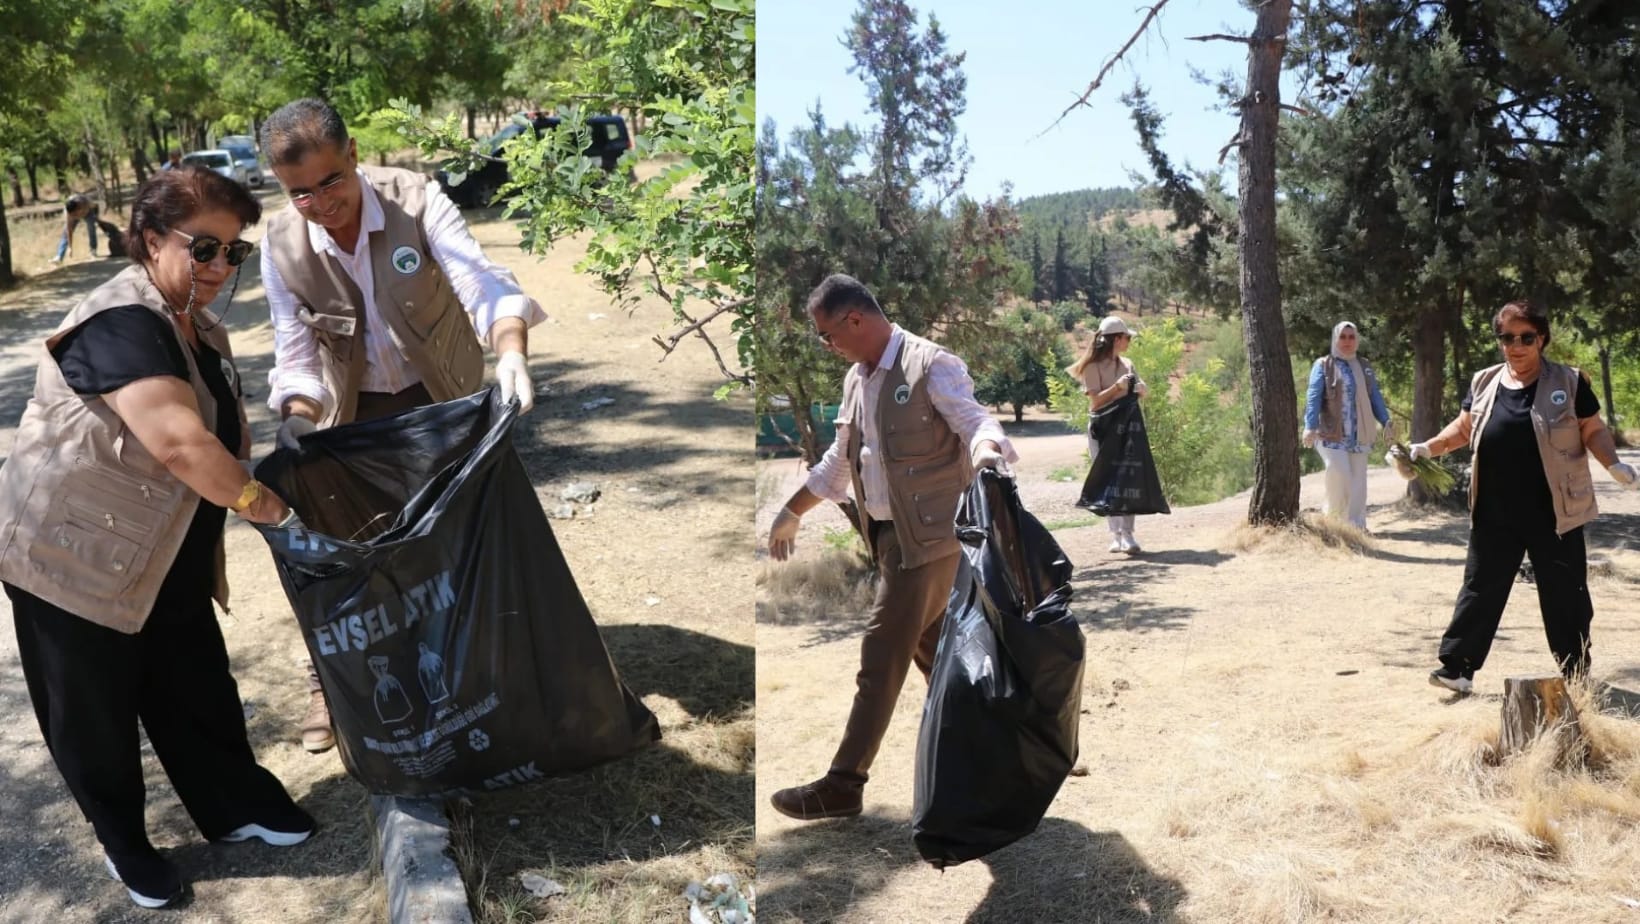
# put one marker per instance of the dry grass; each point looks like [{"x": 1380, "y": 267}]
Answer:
[
  {"x": 1312, "y": 533},
  {"x": 814, "y": 588}
]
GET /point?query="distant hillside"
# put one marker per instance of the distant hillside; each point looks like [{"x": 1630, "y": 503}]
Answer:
[{"x": 1076, "y": 211}]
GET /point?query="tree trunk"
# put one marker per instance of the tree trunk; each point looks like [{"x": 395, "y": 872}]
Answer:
[
  {"x": 94, "y": 162},
  {"x": 1539, "y": 705},
  {"x": 472, "y": 115},
  {"x": 16, "y": 188},
  {"x": 7, "y": 277},
  {"x": 62, "y": 170},
  {"x": 1275, "y": 405},
  {"x": 32, "y": 168},
  {"x": 1606, "y": 386},
  {"x": 1428, "y": 349}
]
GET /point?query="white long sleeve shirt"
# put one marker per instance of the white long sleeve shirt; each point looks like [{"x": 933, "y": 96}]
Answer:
[
  {"x": 486, "y": 289},
  {"x": 952, "y": 392}
]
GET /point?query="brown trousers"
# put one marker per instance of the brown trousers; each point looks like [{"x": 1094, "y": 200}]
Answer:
[{"x": 903, "y": 628}]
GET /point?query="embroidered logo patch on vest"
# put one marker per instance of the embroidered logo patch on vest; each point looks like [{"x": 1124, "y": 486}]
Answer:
[
  {"x": 232, "y": 375},
  {"x": 1557, "y": 397},
  {"x": 406, "y": 260},
  {"x": 902, "y": 395}
]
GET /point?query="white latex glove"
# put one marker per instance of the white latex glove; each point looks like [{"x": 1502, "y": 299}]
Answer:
[
  {"x": 987, "y": 457},
  {"x": 1420, "y": 451},
  {"x": 1308, "y": 439},
  {"x": 1622, "y": 473},
  {"x": 783, "y": 534},
  {"x": 512, "y": 374}
]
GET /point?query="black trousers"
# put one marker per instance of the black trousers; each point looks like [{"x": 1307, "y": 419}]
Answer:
[
  {"x": 1560, "y": 568},
  {"x": 90, "y": 685}
]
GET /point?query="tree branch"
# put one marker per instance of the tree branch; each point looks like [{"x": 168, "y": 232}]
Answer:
[
  {"x": 695, "y": 327},
  {"x": 1234, "y": 142},
  {"x": 1109, "y": 63},
  {"x": 1298, "y": 109},
  {"x": 1220, "y": 37}
]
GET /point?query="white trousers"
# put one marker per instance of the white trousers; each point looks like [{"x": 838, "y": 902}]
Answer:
[
  {"x": 1121, "y": 524},
  {"x": 1346, "y": 485}
]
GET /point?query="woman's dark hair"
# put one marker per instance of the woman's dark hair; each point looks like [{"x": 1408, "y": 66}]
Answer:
[
  {"x": 173, "y": 196},
  {"x": 839, "y": 292},
  {"x": 299, "y": 127},
  {"x": 1523, "y": 310}
]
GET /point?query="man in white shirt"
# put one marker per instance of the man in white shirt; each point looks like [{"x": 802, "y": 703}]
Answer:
[
  {"x": 909, "y": 436},
  {"x": 376, "y": 290}
]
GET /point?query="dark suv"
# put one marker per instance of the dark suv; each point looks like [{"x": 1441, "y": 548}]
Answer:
[{"x": 609, "y": 140}]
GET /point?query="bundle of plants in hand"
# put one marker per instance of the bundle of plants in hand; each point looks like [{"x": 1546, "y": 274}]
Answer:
[{"x": 1426, "y": 471}]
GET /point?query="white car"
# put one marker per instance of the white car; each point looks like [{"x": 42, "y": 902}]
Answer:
[
  {"x": 219, "y": 160},
  {"x": 243, "y": 149}
]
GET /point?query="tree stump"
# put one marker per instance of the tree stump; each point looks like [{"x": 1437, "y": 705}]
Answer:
[{"x": 1537, "y": 705}]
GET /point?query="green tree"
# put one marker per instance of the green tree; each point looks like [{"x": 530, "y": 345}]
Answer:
[{"x": 1014, "y": 372}]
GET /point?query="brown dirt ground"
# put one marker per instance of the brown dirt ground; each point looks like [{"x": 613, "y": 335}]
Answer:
[
  {"x": 1230, "y": 687},
  {"x": 664, "y": 560}
]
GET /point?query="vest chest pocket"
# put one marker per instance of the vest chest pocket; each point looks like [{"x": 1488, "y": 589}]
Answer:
[
  {"x": 1565, "y": 436},
  {"x": 909, "y": 432},
  {"x": 419, "y": 297}
]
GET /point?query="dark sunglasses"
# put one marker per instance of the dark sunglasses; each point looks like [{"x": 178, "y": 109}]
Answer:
[
  {"x": 205, "y": 248},
  {"x": 1527, "y": 339}
]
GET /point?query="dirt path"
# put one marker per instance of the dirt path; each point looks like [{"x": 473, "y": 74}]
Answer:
[
  {"x": 1260, "y": 739},
  {"x": 664, "y": 560}
]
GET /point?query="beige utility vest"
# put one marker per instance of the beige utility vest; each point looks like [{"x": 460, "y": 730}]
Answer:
[
  {"x": 1559, "y": 439},
  {"x": 89, "y": 520},
  {"x": 927, "y": 464},
  {"x": 1333, "y": 394},
  {"x": 413, "y": 296}
]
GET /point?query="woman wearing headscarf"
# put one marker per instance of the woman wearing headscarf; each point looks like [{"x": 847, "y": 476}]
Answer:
[
  {"x": 112, "y": 507},
  {"x": 1107, "y": 375},
  {"x": 1342, "y": 416},
  {"x": 1532, "y": 425}
]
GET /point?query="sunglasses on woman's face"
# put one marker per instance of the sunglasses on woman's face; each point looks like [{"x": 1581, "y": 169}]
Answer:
[
  {"x": 204, "y": 248},
  {"x": 1527, "y": 339}
]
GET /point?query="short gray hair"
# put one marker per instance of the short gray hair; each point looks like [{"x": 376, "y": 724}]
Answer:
[{"x": 300, "y": 127}]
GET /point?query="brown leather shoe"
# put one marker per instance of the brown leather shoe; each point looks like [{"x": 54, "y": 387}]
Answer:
[
  {"x": 316, "y": 733},
  {"x": 827, "y": 797}
]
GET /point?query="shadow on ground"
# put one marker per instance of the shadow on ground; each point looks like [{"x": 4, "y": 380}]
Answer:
[{"x": 1062, "y": 872}]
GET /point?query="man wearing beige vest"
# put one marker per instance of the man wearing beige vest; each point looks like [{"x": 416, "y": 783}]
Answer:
[
  {"x": 376, "y": 290},
  {"x": 909, "y": 436}
]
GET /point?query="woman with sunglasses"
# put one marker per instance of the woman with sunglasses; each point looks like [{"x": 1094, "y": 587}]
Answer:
[
  {"x": 1532, "y": 425},
  {"x": 1343, "y": 413},
  {"x": 112, "y": 508}
]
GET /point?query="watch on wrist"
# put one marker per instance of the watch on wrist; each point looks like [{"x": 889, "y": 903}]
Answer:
[{"x": 248, "y": 495}]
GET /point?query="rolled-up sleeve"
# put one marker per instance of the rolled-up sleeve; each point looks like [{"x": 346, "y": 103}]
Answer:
[
  {"x": 297, "y": 368},
  {"x": 1312, "y": 399},
  {"x": 488, "y": 290},
  {"x": 829, "y": 479},
  {"x": 952, "y": 391}
]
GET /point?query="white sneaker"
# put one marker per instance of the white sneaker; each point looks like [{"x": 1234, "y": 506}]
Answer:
[
  {"x": 1130, "y": 545},
  {"x": 1116, "y": 545},
  {"x": 276, "y": 838}
]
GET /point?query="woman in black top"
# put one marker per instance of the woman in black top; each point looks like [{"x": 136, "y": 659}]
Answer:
[
  {"x": 91, "y": 683},
  {"x": 1515, "y": 512}
]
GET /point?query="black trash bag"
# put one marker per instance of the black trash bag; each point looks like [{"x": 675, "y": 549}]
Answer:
[
  {"x": 998, "y": 733},
  {"x": 1123, "y": 479},
  {"x": 449, "y": 635}
]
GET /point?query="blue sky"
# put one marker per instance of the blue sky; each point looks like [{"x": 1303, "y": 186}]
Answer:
[{"x": 1026, "y": 62}]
